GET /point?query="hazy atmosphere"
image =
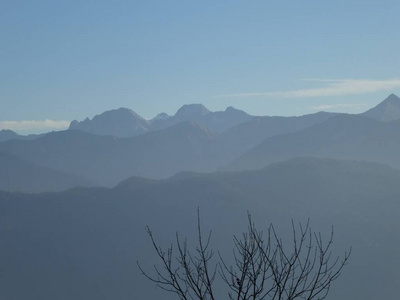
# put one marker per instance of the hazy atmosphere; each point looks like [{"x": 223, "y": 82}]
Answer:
[{"x": 128, "y": 126}]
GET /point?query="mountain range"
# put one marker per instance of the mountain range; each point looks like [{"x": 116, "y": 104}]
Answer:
[
  {"x": 124, "y": 122},
  {"x": 106, "y": 160},
  {"x": 178, "y": 145}
]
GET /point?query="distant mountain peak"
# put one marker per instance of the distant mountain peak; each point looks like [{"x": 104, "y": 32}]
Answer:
[
  {"x": 230, "y": 110},
  {"x": 189, "y": 110},
  {"x": 121, "y": 112},
  {"x": 8, "y": 131},
  {"x": 121, "y": 122},
  {"x": 393, "y": 95},
  {"x": 387, "y": 110},
  {"x": 7, "y": 134},
  {"x": 161, "y": 116},
  {"x": 392, "y": 98}
]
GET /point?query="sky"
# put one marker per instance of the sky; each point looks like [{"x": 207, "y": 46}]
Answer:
[{"x": 66, "y": 60}]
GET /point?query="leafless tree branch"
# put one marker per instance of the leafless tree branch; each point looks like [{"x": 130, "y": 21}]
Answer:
[{"x": 263, "y": 267}]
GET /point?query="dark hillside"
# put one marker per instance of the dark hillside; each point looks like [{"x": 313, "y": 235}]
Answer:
[{"x": 84, "y": 243}]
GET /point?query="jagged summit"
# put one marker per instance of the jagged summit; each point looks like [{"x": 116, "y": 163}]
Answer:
[{"x": 387, "y": 110}]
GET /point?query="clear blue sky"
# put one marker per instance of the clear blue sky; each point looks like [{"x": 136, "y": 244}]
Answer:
[{"x": 65, "y": 60}]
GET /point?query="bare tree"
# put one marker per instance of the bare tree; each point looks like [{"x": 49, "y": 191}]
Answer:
[{"x": 263, "y": 267}]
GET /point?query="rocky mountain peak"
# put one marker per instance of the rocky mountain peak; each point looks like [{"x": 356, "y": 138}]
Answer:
[{"x": 387, "y": 110}]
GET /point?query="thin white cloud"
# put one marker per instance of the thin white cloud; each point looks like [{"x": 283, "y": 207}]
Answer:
[
  {"x": 341, "y": 87},
  {"x": 34, "y": 125},
  {"x": 356, "y": 106}
]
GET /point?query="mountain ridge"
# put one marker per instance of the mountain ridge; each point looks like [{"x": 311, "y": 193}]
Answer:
[
  {"x": 135, "y": 124},
  {"x": 19, "y": 175},
  {"x": 126, "y": 122},
  {"x": 7, "y": 134},
  {"x": 106, "y": 160}
]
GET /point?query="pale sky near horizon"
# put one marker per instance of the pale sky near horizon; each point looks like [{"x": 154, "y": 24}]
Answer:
[{"x": 66, "y": 60}]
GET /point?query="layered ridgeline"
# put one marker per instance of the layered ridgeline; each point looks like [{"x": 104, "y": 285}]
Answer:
[
  {"x": 106, "y": 159},
  {"x": 84, "y": 243},
  {"x": 6, "y": 134},
  {"x": 231, "y": 123},
  {"x": 344, "y": 137},
  {"x": 124, "y": 122},
  {"x": 17, "y": 174}
]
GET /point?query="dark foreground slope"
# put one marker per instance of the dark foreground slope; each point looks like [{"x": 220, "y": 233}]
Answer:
[{"x": 84, "y": 243}]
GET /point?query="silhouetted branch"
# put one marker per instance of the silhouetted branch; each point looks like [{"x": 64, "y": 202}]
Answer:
[
  {"x": 187, "y": 276},
  {"x": 263, "y": 268}
]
